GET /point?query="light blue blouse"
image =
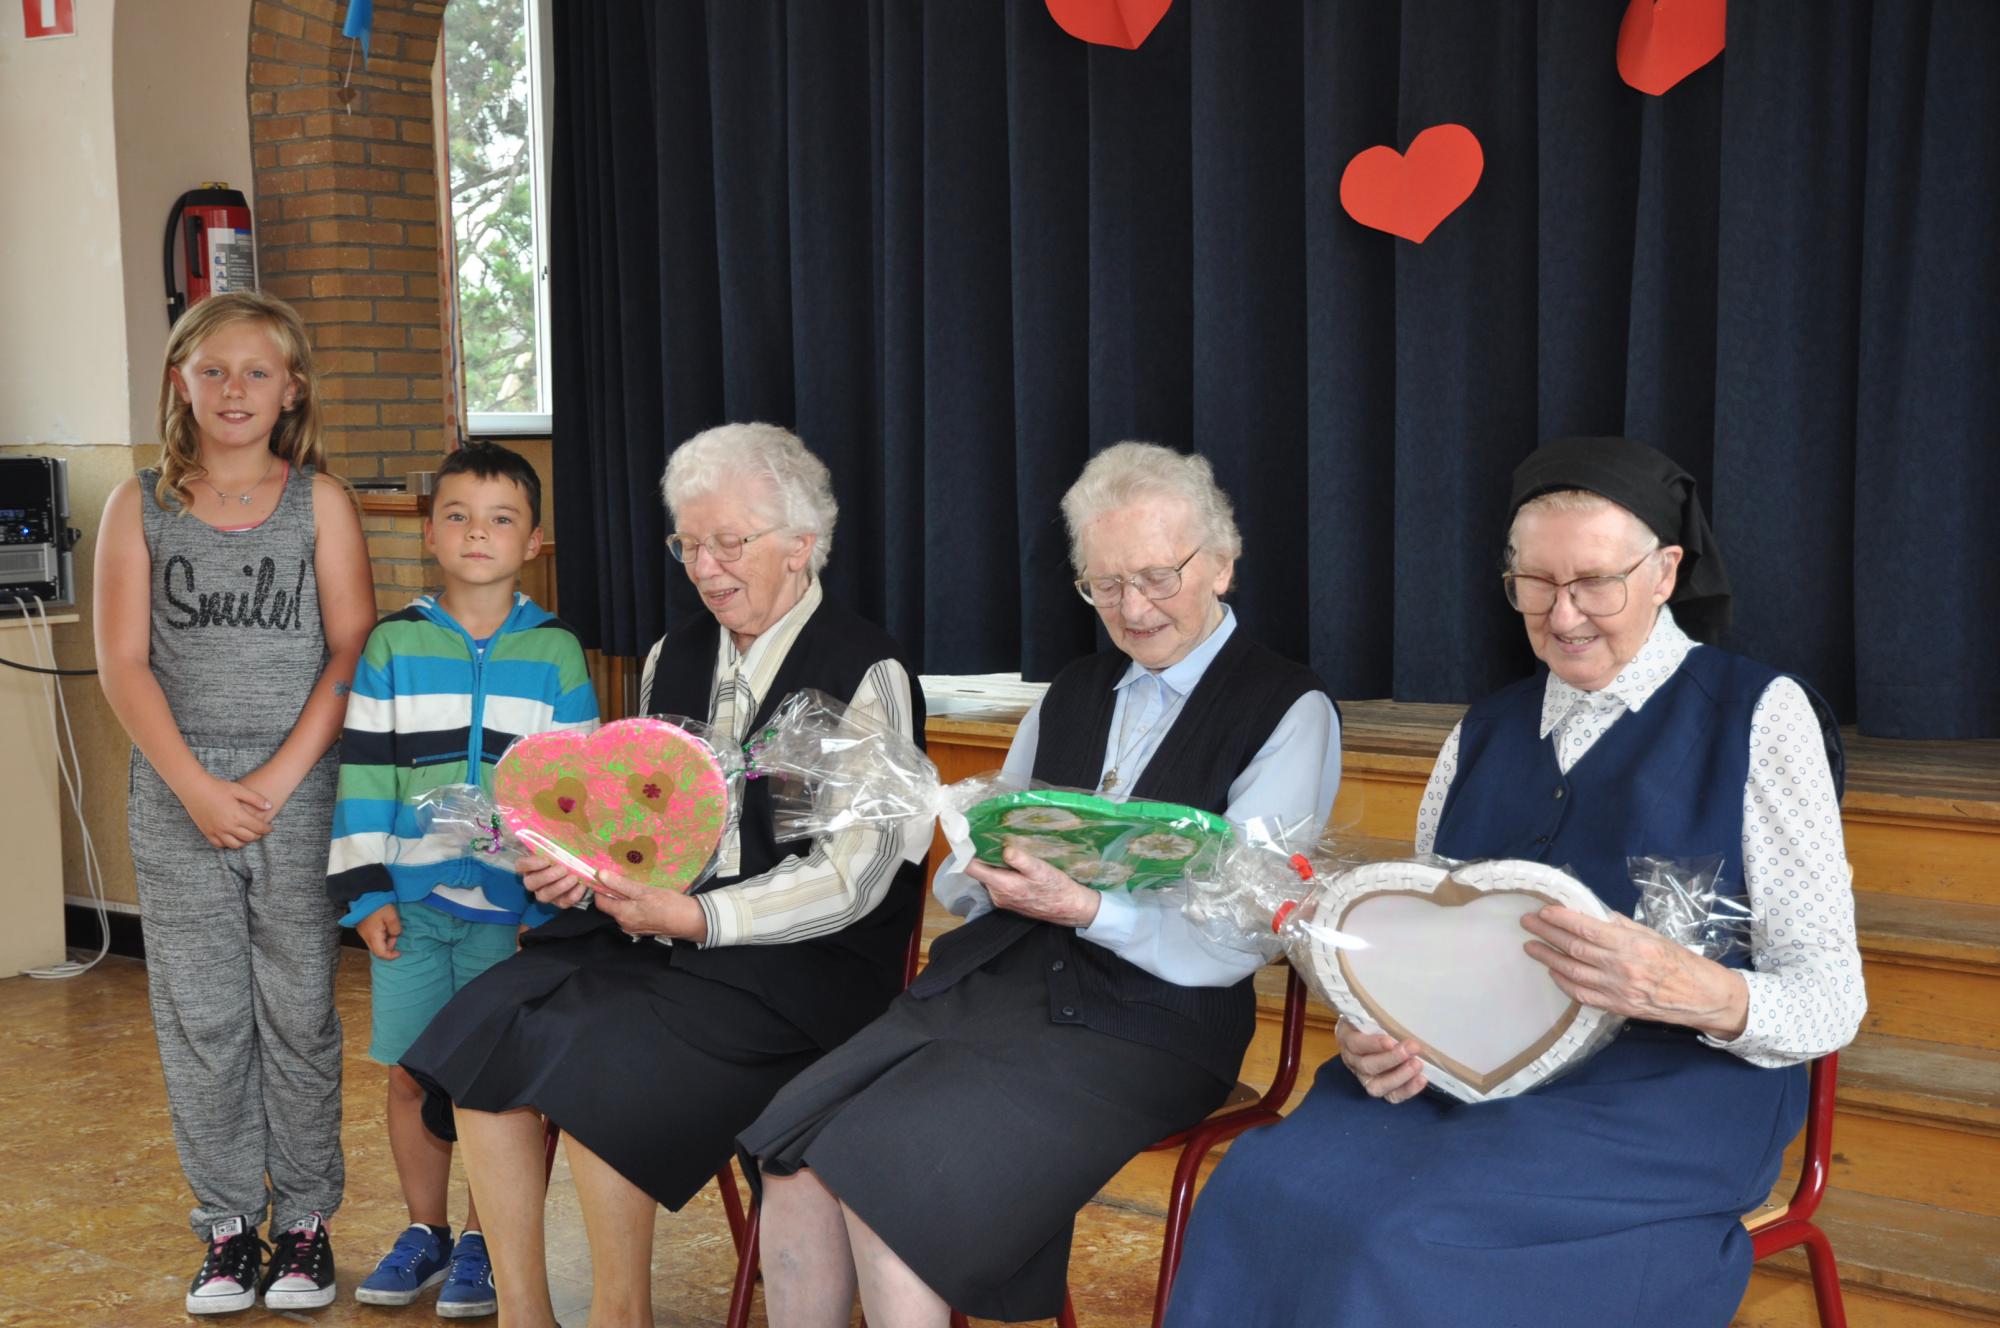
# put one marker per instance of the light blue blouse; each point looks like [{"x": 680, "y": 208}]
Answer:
[{"x": 1295, "y": 774}]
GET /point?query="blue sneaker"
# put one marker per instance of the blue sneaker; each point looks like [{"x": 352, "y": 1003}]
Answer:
[
  {"x": 418, "y": 1260},
  {"x": 468, "y": 1292}
]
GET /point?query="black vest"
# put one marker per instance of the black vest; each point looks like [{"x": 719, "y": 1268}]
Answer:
[
  {"x": 831, "y": 985},
  {"x": 1224, "y": 721}
]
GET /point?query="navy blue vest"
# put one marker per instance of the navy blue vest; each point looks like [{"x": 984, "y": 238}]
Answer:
[
  {"x": 1227, "y": 718},
  {"x": 1666, "y": 779}
]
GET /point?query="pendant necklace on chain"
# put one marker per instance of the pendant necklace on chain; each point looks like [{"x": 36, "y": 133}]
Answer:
[
  {"x": 245, "y": 496},
  {"x": 1131, "y": 748}
]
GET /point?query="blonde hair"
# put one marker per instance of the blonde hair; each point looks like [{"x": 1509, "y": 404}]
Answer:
[{"x": 300, "y": 435}]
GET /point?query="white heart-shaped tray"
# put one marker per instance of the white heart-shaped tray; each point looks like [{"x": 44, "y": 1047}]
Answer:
[{"x": 1444, "y": 964}]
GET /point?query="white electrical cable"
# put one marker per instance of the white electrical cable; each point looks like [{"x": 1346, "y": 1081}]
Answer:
[{"x": 72, "y": 776}]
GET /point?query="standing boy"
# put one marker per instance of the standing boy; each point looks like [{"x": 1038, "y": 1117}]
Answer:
[{"x": 443, "y": 687}]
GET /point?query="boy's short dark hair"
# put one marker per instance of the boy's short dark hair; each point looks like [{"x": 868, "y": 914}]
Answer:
[{"x": 490, "y": 461}]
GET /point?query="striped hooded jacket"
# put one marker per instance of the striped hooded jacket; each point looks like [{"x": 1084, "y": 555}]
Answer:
[{"x": 428, "y": 708}]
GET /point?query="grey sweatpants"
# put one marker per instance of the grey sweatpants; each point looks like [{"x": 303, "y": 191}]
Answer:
[{"x": 241, "y": 946}]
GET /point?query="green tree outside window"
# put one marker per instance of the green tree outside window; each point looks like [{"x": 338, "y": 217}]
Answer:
[{"x": 490, "y": 121}]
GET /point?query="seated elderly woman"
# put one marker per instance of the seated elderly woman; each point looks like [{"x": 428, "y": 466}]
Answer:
[
  {"x": 1612, "y": 1194},
  {"x": 941, "y": 1155},
  {"x": 651, "y": 1057}
]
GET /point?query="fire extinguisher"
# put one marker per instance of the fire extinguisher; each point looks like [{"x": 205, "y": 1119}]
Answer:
[{"x": 221, "y": 255}]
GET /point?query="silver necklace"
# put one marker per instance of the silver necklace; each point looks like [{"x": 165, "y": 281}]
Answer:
[
  {"x": 1130, "y": 748},
  {"x": 247, "y": 494}
]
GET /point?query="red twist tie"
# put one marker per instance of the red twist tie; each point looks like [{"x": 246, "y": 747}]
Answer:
[
  {"x": 1303, "y": 866},
  {"x": 1284, "y": 911}
]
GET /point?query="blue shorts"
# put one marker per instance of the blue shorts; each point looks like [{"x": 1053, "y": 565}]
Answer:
[{"x": 437, "y": 954}]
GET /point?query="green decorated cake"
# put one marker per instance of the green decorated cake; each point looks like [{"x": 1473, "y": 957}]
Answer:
[{"x": 1097, "y": 842}]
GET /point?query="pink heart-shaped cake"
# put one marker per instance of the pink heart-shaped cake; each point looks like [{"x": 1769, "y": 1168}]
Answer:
[
  {"x": 1444, "y": 964},
  {"x": 641, "y": 797}
]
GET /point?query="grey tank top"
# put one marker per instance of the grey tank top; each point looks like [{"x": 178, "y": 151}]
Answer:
[{"x": 237, "y": 644}]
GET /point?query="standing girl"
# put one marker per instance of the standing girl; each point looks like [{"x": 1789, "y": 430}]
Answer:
[{"x": 233, "y": 598}]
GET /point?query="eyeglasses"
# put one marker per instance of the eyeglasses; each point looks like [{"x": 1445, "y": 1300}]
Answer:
[
  {"x": 1152, "y": 582},
  {"x": 723, "y": 547},
  {"x": 1597, "y": 596}
]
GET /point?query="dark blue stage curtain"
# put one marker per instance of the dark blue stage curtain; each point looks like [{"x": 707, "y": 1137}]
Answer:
[{"x": 958, "y": 251}]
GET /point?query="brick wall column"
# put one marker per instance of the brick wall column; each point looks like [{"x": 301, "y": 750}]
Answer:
[{"x": 347, "y": 205}]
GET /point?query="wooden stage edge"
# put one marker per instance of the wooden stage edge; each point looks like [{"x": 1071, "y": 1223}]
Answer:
[{"x": 1399, "y": 740}]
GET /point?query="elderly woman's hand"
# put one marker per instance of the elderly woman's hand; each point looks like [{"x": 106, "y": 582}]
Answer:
[
  {"x": 1620, "y": 966},
  {"x": 551, "y": 882},
  {"x": 1388, "y": 1069},
  {"x": 647, "y": 910},
  {"x": 1032, "y": 888}
]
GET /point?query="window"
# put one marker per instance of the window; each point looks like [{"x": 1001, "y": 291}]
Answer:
[{"x": 497, "y": 116}]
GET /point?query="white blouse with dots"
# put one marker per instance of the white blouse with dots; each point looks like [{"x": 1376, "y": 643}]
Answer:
[{"x": 1806, "y": 993}]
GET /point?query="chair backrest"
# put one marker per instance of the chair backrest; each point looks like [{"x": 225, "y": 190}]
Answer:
[
  {"x": 1772, "y": 1222},
  {"x": 1819, "y": 1139},
  {"x": 1291, "y": 1040}
]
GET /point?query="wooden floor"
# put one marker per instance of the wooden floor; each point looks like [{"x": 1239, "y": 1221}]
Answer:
[
  {"x": 92, "y": 1206},
  {"x": 93, "y": 1210}
]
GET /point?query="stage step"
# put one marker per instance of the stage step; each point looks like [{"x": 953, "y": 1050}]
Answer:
[
  {"x": 1933, "y": 968},
  {"x": 1934, "y": 932},
  {"x": 1935, "y": 1082},
  {"x": 1914, "y": 1264}
]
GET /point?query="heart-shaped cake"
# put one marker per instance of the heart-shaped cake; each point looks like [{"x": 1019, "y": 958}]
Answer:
[
  {"x": 641, "y": 797},
  {"x": 1444, "y": 964}
]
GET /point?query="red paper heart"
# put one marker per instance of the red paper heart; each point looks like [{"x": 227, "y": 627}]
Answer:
[
  {"x": 1661, "y": 42},
  {"x": 1409, "y": 193},
  {"x": 1123, "y": 23}
]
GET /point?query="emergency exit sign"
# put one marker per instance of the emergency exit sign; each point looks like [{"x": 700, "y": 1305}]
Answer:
[{"x": 49, "y": 18}]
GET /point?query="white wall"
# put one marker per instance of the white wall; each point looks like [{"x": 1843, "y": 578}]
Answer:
[
  {"x": 182, "y": 118},
  {"x": 99, "y": 133},
  {"x": 62, "y": 317}
]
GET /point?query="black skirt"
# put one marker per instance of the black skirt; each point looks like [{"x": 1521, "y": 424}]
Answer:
[
  {"x": 653, "y": 1069},
  {"x": 967, "y": 1130}
]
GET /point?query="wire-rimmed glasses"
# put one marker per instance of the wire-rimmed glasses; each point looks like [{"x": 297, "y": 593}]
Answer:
[
  {"x": 1153, "y": 582},
  {"x": 723, "y": 546},
  {"x": 1595, "y": 596}
]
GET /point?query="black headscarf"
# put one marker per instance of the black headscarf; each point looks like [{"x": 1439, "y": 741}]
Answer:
[{"x": 1648, "y": 484}]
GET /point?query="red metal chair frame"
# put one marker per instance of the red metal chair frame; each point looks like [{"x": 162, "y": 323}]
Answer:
[
  {"x": 742, "y": 1222},
  {"x": 1794, "y": 1225},
  {"x": 1201, "y": 1140},
  {"x": 743, "y": 1226},
  {"x": 1195, "y": 1144},
  {"x": 1769, "y": 1233}
]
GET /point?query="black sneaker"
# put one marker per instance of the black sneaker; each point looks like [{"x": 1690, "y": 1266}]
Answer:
[
  {"x": 301, "y": 1273},
  {"x": 228, "y": 1278}
]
